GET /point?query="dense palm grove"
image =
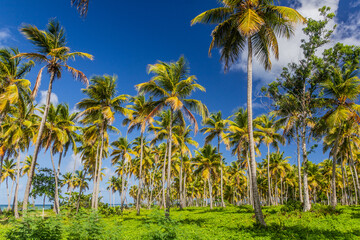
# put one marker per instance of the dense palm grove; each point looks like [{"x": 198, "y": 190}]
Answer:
[{"x": 312, "y": 103}]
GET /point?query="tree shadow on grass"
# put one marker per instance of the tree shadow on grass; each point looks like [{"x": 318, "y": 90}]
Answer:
[
  {"x": 278, "y": 231},
  {"x": 199, "y": 222}
]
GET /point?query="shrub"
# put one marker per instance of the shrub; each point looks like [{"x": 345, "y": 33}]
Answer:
[
  {"x": 325, "y": 209},
  {"x": 36, "y": 228},
  {"x": 85, "y": 226},
  {"x": 292, "y": 205},
  {"x": 165, "y": 227}
]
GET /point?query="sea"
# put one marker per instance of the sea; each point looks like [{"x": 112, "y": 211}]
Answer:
[{"x": 37, "y": 206}]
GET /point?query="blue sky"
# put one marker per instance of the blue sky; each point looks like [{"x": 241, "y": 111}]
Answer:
[{"x": 126, "y": 36}]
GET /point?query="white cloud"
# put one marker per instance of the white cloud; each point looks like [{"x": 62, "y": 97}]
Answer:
[
  {"x": 53, "y": 98},
  {"x": 290, "y": 50},
  {"x": 75, "y": 161},
  {"x": 355, "y": 3},
  {"x": 4, "y": 36}
]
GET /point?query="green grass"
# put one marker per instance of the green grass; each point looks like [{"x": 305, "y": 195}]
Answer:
[{"x": 228, "y": 223}]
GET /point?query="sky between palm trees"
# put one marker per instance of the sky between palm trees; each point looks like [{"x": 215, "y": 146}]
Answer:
[{"x": 126, "y": 36}]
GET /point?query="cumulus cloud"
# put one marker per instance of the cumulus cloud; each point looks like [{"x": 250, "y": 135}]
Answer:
[
  {"x": 53, "y": 98},
  {"x": 347, "y": 33},
  {"x": 4, "y": 36}
]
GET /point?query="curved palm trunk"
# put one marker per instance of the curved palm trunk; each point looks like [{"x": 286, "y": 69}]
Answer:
[
  {"x": 140, "y": 175},
  {"x": 56, "y": 200},
  {"x": 37, "y": 145},
  {"x": 355, "y": 188},
  {"x": 256, "y": 198},
  {"x": 221, "y": 176},
  {"x": 299, "y": 165},
  {"x": 16, "y": 211},
  {"x": 268, "y": 176},
  {"x": 167, "y": 212}
]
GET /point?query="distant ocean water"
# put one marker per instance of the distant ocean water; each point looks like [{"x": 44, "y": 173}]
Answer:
[{"x": 37, "y": 206}]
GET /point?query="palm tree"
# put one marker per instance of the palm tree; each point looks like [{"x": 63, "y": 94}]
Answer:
[
  {"x": 138, "y": 117},
  {"x": 81, "y": 5},
  {"x": 122, "y": 155},
  {"x": 173, "y": 86},
  {"x": 18, "y": 132},
  {"x": 99, "y": 109},
  {"x": 268, "y": 132},
  {"x": 12, "y": 74},
  {"x": 52, "y": 51},
  {"x": 215, "y": 126},
  {"x": 279, "y": 166},
  {"x": 208, "y": 160},
  {"x": 258, "y": 23},
  {"x": 341, "y": 89},
  {"x": 8, "y": 171}
]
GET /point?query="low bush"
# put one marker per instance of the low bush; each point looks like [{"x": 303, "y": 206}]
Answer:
[{"x": 292, "y": 205}]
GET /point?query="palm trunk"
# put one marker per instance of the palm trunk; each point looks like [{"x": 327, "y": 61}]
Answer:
[
  {"x": 37, "y": 144},
  {"x": 163, "y": 178},
  {"x": 96, "y": 201},
  {"x": 140, "y": 175},
  {"x": 307, "y": 204},
  {"x": 210, "y": 192},
  {"x": 16, "y": 210},
  {"x": 184, "y": 191},
  {"x": 7, "y": 192},
  {"x": 43, "y": 210},
  {"x": 299, "y": 165},
  {"x": 56, "y": 200},
  {"x": 95, "y": 176},
  {"x": 343, "y": 190},
  {"x": 80, "y": 192},
  {"x": 123, "y": 186},
  {"x": 180, "y": 182},
  {"x": 168, "y": 186},
  {"x": 256, "y": 198},
  {"x": 333, "y": 180},
  {"x": 268, "y": 176},
  {"x": 221, "y": 176},
  {"x": 354, "y": 183},
  {"x": 355, "y": 171}
]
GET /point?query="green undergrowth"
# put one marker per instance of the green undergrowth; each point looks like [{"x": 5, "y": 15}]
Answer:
[{"x": 284, "y": 222}]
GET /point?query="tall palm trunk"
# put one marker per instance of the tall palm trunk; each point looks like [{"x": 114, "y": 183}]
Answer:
[
  {"x": 1, "y": 165},
  {"x": 299, "y": 165},
  {"x": 164, "y": 176},
  {"x": 333, "y": 179},
  {"x": 354, "y": 183},
  {"x": 352, "y": 165},
  {"x": 184, "y": 190},
  {"x": 180, "y": 183},
  {"x": 167, "y": 212},
  {"x": 96, "y": 201},
  {"x": 221, "y": 176},
  {"x": 95, "y": 176},
  {"x": 16, "y": 211},
  {"x": 210, "y": 192},
  {"x": 37, "y": 144},
  {"x": 268, "y": 176},
  {"x": 307, "y": 204},
  {"x": 80, "y": 191},
  {"x": 122, "y": 196},
  {"x": 256, "y": 198},
  {"x": 7, "y": 192},
  {"x": 56, "y": 199},
  {"x": 140, "y": 175}
]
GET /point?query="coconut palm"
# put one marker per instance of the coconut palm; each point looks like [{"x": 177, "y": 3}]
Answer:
[
  {"x": 257, "y": 23},
  {"x": 172, "y": 85},
  {"x": 138, "y": 117},
  {"x": 8, "y": 171},
  {"x": 53, "y": 52},
  {"x": 215, "y": 126},
  {"x": 208, "y": 160},
  {"x": 268, "y": 132},
  {"x": 99, "y": 109},
  {"x": 122, "y": 154}
]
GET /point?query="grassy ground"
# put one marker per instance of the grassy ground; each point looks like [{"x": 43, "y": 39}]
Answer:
[{"x": 228, "y": 223}]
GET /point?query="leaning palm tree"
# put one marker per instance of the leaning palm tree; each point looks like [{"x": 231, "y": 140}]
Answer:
[
  {"x": 257, "y": 23},
  {"x": 215, "y": 126},
  {"x": 173, "y": 85},
  {"x": 53, "y": 52}
]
